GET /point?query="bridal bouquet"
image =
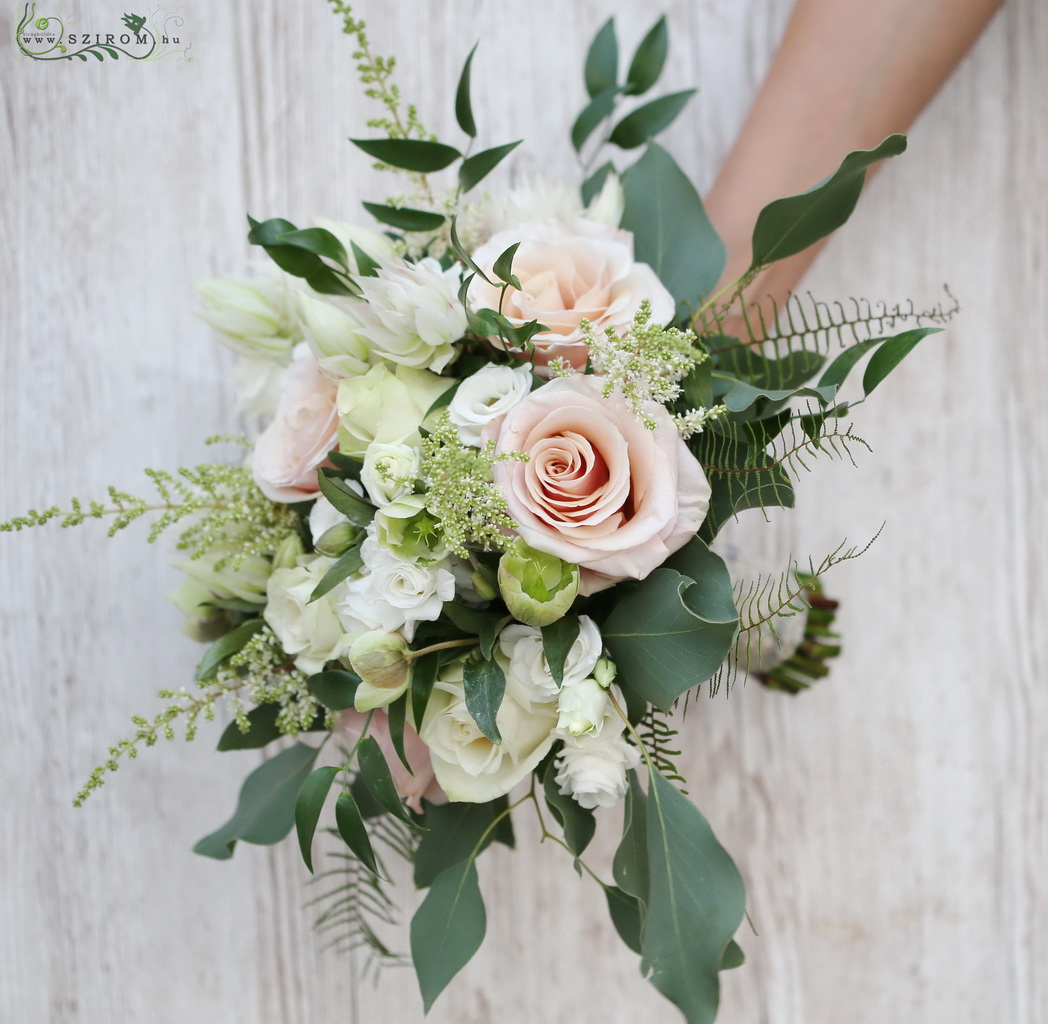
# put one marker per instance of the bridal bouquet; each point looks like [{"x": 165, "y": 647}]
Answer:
[{"x": 464, "y": 571}]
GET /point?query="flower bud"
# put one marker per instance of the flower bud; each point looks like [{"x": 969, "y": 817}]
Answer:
[
  {"x": 484, "y": 583},
  {"x": 538, "y": 588},
  {"x": 380, "y": 659},
  {"x": 333, "y": 338},
  {"x": 336, "y": 541},
  {"x": 252, "y": 316},
  {"x": 287, "y": 552},
  {"x": 582, "y": 708},
  {"x": 604, "y": 672}
]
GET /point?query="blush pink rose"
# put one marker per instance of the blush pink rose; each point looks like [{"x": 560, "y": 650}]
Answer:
[
  {"x": 413, "y": 787},
  {"x": 570, "y": 272},
  {"x": 599, "y": 489},
  {"x": 303, "y": 431}
]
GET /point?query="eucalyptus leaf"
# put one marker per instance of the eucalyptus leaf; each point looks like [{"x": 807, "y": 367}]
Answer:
[
  {"x": 485, "y": 685},
  {"x": 447, "y": 929},
  {"x": 671, "y": 231},
  {"x": 674, "y": 631},
  {"x": 627, "y": 916},
  {"x": 592, "y": 114},
  {"x": 455, "y": 829},
  {"x": 225, "y": 647},
  {"x": 344, "y": 567},
  {"x": 336, "y": 689},
  {"x": 354, "y": 833},
  {"x": 308, "y": 805},
  {"x": 379, "y": 780},
  {"x": 742, "y": 395},
  {"x": 644, "y": 123},
  {"x": 265, "y": 811},
  {"x": 788, "y": 226},
  {"x": 463, "y": 106},
  {"x": 416, "y": 155},
  {"x": 557, "y": 640},
  {"x": 577, "y": 822},
  {"x": 696, "y": 903},
  {"x": 601, "y": 70},
  {"x": 648, "y": 60},
  {"x": 476, "y": 168},
  {"x": 630, "y": 866},
  {"x": 348, "y": 502},
  {"x": 733, "y": 956},
  {"x": 404, "y": 218},
  {"x": 592, "y": 186}
]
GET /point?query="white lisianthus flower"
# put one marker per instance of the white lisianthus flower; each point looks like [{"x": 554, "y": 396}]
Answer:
[
  {"x": 385, "y": 407},
  {"x": 592, "y": 768},
  {"x": 333, "y": 335},
  {"x": 583, "y": 708},
  {"x": 254, "y": 317},
  {"x": 389, "y": 471},
  {"x": 310, "y": 631},
  {"x": 527, "y": 672},
  {"x": 257, "y": 384},
  {"x": 393, "y": 595},
  {"x": 468, "y": 766},
  {"x": 486, "y": 397},
  {"x": 411, "y": 314}
]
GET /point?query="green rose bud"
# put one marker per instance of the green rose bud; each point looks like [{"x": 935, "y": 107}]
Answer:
[
  {"x": 381, "y": 661},
  {"x": 538, "y": 588},
  {"x": 338, "y": 540},
  {"x": 287, "y": 552},
  {"x": 604, "y": 672}
]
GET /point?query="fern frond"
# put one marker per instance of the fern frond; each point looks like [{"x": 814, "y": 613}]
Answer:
[{"x": 658, "y": 737}]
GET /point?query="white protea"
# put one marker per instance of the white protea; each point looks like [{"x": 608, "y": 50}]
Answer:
[{"x": 254, "y": 316}]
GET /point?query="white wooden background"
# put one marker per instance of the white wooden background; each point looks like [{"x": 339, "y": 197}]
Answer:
[{"x": 892, "y": 825}]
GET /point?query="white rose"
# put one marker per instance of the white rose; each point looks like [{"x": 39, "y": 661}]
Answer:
[
  {"x": 467, "y": 764},
  {"x": 527, "y": 670},
  {"x": 253, "y": 316},
  {"x": 583, "y": 707},
  {"x": 411, "y": 314},
  {"x": 486, "y": 397},
  {"x": 309, "y": 630},
  {"x": 393, "y": 595},
  {"x": 568, "y": 273},
  {"x": 592, "y": 769},
  {"x": 333, "y": 336},
  {"x": 389, "y": 471},
  {"x": 385, "y": 407}
]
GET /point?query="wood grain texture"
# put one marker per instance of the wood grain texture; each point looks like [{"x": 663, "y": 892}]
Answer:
[{"x": 892, "y": 825}]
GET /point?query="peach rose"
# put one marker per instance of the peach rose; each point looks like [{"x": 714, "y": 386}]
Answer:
[
  {"x": 303, "y": 431},
  {"x": 569, "y": 272},
  {"x": 599, "y": 488}
]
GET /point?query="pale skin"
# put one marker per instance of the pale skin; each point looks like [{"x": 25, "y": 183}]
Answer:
[{"x": 847, "y": 74}]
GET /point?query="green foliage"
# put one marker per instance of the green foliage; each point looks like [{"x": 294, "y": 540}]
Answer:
[
  {"x": 455, "y": 831},
  {"x": 659, "y": 739},
  {"x": 463, "y": 105},
  {"x": 644, "y": 123},
  {"x": 447, "y": 929},
  {"x": 404, "y": 218},
  {"x": 300, "y": 254},
  {"x": 379, "y": 781},
  {"x": 265, "y": 810},
  {"x": 675, "y": 629},
  {"x": 476, "y": 168},
  {"x": 601, "y": 70},
  {"x": 788, "y": 226},
  {"x": 225, "y": 647},
  {"x": 350, "y": 824},
  {"x": 308, "y": 805},
  {"x": 336, "y": 689},
  {"x": 695, "y": 903},
  {"x": 485, "y": 684},
  {"x": 672, "y": 233},
  {"x": 557, "y": 640},
  {"x": 217, "y": 501},
  {"x": 344, "y": 567},
  {"x": 648, "y": 60},
  {"x": 578, "y": 823},
  {"x": 598, "y": 110},
  {"x": 418, "y": 155}
]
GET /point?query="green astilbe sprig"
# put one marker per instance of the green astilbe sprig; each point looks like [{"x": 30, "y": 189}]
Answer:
[
  {"x": 218, "y": 504},
  {"x": 462, "y": 495}
]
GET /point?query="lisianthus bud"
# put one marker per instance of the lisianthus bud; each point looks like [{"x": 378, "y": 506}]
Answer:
[
  {"x": 483, "y": 583},
  {"x": 582, "y": 708},
  {"x": 538, "y": 588},
  {"x": 604, "y": 672},
  {"x": 287, "y": 552},
  {"x": 380, "y": 659},
  {"x": 338, "y": 540}
]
